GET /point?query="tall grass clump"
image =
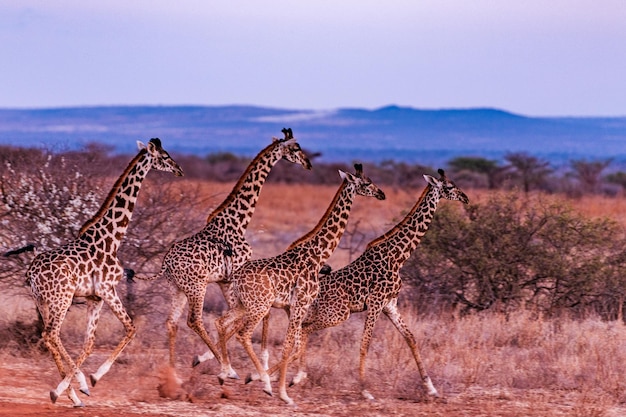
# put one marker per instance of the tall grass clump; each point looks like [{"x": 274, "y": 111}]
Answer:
[{"x": 506, "y": 354}]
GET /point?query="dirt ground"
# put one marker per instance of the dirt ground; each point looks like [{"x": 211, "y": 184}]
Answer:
[{"x": 25, "y": 386}]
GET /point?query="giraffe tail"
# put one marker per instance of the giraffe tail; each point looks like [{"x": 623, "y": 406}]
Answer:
[
  {"x": 28, "y": 248},
  {"x": 227, "y": 253},
  {"x": 130, "y": 276}
]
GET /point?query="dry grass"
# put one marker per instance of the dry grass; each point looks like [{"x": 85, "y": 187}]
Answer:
[{"x": 505, "y": 359}]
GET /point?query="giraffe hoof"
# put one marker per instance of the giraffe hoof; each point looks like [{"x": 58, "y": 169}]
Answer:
[
  {"x": 220, "y": 379},
  {"x": 196, "y": 361},
  {"x": 268, "y": 392},
  {"x": 53, "y": 396},
  {"x": 93, "y": 380},
  {"x": 249, "y": 378},
  {"x": 79, "y": 405},
  {"x": 288, "y": 401},
  {"x": 366, "y": 394},
  {"x": 85, "y": 391},
  {"x": 300, "y": 376}
]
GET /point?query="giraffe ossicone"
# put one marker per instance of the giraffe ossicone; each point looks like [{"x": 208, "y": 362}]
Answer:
[
  {"x": 88, "y": 268},
  {"x": 210, "y": 255},
  {"x": 289, "y": 281},
  {"x": 372, "y": 282}
]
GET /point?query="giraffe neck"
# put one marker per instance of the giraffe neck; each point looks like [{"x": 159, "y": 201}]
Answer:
[
  {"x": 235, "y": 212},
  {"x": 108, "y": 226},
  {"x": 402, "y": 239},
  {"x": 323, "y": 239}
]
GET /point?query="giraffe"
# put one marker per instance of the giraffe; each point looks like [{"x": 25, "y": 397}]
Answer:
[
  {"x": 288, "y": 280},
  {"x": 88, "y": 267},
  {"x": 372, "y": 282},
  {"x": 209, "y": 255}
]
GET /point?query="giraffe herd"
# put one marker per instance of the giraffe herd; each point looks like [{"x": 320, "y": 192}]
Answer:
[{"x": 294, "y": 280}]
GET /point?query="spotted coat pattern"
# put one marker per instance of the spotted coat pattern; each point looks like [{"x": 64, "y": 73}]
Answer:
[
  {"x": 372, "y": 282},
  {"x": 288, "y": 280},
  {"x": 88, "y": 267},
  {"x": 212, "y": 253}
]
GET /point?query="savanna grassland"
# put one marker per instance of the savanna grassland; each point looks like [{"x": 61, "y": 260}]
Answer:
[{"x": 496, "y": 362}]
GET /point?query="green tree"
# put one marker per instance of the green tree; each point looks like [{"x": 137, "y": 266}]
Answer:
[
  {"x": 510, "y": 252},
  {"x": 529, "y": 170},
  {"x": 487, "y": 168},
  {"x": 589, "y": 173}
]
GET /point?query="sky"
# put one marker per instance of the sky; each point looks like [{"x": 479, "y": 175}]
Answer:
[{"x": 531, "y": 57}]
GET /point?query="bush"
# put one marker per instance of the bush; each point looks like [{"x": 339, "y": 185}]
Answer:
[
  {"x": 512, "y": 252},
  {"x": 46, "y": 198}
]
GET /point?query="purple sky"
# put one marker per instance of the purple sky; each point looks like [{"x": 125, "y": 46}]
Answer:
[{"x": 535, "y": 57}]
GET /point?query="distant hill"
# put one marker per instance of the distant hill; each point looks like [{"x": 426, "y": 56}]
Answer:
[{"x": 429, "y": 137}]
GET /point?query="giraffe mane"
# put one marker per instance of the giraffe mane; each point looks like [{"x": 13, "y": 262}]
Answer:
[
  {"x": 320, "y": 223},
  {"x": 229, "y": 199},
  {"x": 116, "y": 187},
  {"x": 400, "y": 225}
]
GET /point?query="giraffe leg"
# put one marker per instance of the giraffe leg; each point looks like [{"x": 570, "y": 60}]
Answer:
[
  {"x": 179, "y": 301},
  {"x": 227, "y": 325},
  {"x": 195, "y": 322},
  {"x": 300, "y": 356},
  {"x": 373, "y": 313},
  {"x": 391, "y": 310},
  {"x": 283, "y": 365},
  {"x": 113, "y": 301},
  {"x": 228, "y": 296},
  {"x": 53, "y": 318},
  {"x": 322, "y": 315},
  {"x": 265, "y": 354},
  {"x": 71, "y": 394},
  {"x": 245, "y": 338},
  {"x": 206, "y": 356},
  {"x": 49, "y": 342},
  {"x": 54, "y": 394},
  {"x": 93, "y": 313},
  {"x": 294, "y": 331}
]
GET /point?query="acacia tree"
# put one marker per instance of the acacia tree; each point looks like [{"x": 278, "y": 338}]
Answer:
[
  {"x": 486, "y": 168},
  {"x": 589, "y": 173},
  {"x": 529, "y": 170}
]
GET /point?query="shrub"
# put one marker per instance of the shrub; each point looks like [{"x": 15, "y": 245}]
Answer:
[
  {"x": 46, "y": 198},
  {"x": 510, "y": 252}
]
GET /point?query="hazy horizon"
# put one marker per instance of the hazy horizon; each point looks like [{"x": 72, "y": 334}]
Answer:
[{"x": 562, "y": 58}]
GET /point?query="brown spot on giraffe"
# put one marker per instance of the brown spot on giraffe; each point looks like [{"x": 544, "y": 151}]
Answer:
[
  {"x": 288, "y": 280},
  {"x": 88, "y": 267},
  {"x": 372, "y": 282},
  {"x": 212, "y": 253}
]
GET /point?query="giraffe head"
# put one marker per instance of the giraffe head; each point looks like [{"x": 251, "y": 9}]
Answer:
[
  {"x": 446, "y": 187},
  {"x": 291, "y": 151},
  {"x": 161, "y": 160},
  {"x": 363, "y": 185}
]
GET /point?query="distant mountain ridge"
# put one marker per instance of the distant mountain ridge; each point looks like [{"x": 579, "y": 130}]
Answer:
[{"x": 391, "y": 132}]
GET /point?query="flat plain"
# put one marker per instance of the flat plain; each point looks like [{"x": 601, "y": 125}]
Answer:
[{"x": 483, "y": 364}]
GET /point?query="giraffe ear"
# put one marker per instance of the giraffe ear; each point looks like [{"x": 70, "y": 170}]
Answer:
[
  {"x": 347, "y": 176},
  {"x": 432, "y": 180},
  {"x": 140, "y": 145}
]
